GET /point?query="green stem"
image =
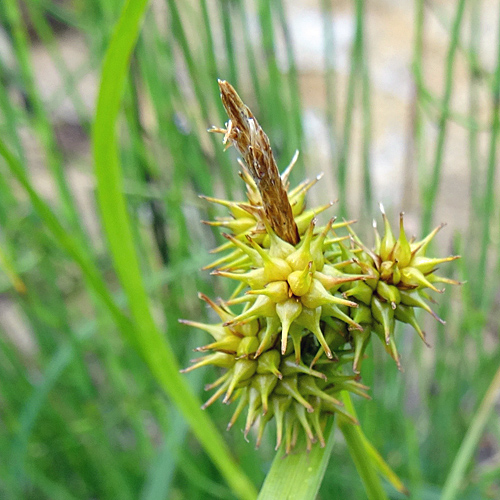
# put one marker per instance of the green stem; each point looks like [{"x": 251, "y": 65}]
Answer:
[
  {"x": 356, "y": 442},
  {"x": 433, "y": 185},
  {"x": 152, "y": 344},
  {"x": 298, "y": 476}
]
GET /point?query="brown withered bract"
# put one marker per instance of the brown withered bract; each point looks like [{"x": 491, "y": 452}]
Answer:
[{"x": 245, "y": 133}]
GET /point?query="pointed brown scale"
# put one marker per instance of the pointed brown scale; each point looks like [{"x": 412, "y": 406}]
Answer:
[
  {"x": 287, "y": 311},
  {"x": 242, "y": 402},
  {"x": 280, "y": 408},
  {"x": 242, "y": 370},
  {"x": 288, "y": 387}
]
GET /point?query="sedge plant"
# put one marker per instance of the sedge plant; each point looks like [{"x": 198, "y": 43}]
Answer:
[{"x": 291, "y": 338}]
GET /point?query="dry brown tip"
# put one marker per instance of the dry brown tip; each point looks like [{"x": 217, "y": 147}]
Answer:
[{"x": 245, "y": 133}]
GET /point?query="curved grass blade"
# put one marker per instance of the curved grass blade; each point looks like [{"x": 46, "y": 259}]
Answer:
[{"x": 153, "y": 346}]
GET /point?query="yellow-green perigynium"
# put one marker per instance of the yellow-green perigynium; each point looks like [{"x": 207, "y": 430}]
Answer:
[{"x": 294, "y": 331}]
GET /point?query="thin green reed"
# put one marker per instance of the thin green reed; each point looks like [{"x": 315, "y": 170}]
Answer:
[
  {"x": 355, "y": 75},
  {"x": 432, "y": 185},
  {"x": 474, "y": 80},
  {"x": 41, "y": 120},
  {"x": 331, "y": 108},
  {"x": 197, "y": 76},
  {"x": 225, "y": 8},
  {"x": 152, "y": 344},
  {"x": 489, "y": 186},
  {"x": 295, "y": 106}
]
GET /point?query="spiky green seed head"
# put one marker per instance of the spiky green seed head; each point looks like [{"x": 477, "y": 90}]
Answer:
[{"x": 294, "y": 332}]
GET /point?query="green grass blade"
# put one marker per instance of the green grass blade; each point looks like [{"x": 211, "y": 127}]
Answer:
[
  {"x": 433, "y": 185},
  {"x": 356, "y": 442},
  {"x": 153, "y": 345},
  {"x": 298, "y": 476},
  {"x": 471, "y": 440}
]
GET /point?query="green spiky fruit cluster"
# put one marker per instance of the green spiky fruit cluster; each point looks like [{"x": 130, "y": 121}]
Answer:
[
  {"x": 305, "y": 313},
  {"x": 293, "y": 334}
]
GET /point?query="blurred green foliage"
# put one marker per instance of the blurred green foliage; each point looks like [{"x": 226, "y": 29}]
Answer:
[{"x": 84, "y": 412}]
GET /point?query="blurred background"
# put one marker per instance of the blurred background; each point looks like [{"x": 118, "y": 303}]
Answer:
[{"x": 394, "y": 101}]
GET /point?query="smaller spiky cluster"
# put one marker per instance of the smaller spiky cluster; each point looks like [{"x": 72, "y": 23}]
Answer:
[
  {"x": 399, "y": 275},
  {"x": 307, "y": 300}
]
